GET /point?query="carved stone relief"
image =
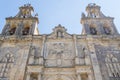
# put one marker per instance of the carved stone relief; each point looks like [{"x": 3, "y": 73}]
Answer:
[
  {"x": 12, "y": 59},
  {"x": 108, "y": 58},
  {"x": 6, "y": 64},
  {"x": 112, "y": 65},
  {"x": 59, "y": 77},
  {"x": 35, "y": 54},
  {"x": 59, "y": 32},
  {"x": 59, "y": 54}
]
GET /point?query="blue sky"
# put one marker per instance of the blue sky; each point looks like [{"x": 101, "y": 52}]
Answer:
[{"x": 64, "y": 12}]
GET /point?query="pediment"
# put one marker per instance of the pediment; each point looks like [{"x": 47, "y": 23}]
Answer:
[{"x": 59, "y": 32}]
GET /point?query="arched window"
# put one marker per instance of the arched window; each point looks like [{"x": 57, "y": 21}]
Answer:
[
  {"x": 12, "y": 31},
  {"x": 93, "y": 30},
  {"x": 5, "y": 65},
  {"x": 59, "y": 34},
  {"x": 26, "y": 31},
  {"x": 112, "y": 66},
  {"x": 107, "y": 30}
]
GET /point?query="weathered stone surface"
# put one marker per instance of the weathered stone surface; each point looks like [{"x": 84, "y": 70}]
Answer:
[{"x": 26, "y": 55}]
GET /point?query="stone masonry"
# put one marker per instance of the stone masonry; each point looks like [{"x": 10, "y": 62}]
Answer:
[{"x": 92, "y": 55}]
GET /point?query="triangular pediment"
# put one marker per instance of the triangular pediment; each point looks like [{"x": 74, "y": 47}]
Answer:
[{"x": 59, "y": 32}]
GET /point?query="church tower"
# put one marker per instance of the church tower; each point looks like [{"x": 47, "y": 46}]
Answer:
[
  {"x": 60, "y": 55},
  {"x": 24, "y": 23},
  {"x": 96, "y": 23}
]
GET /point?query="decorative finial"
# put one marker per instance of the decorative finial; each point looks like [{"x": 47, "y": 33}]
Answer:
[
  {"x": 83, "y": 15},
  {"x": 36, "y": 15}
]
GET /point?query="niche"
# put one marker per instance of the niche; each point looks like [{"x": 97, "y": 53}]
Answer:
[
  {"x": 59, "y": 34},
  {"x": 34, "y": 76},
  {"x": 84, "y": 76}
]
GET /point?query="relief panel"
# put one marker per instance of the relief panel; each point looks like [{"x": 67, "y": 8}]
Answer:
[
  {"x": 108, "y": 58},
  {"x": 59, "y": 54}
]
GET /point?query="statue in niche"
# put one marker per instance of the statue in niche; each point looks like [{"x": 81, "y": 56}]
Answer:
[
  {"x": 81, "y": 55},
  {"x": 34, "y": 58},
  {"x": 81, "y": 52},
  {"x": 112, "y": 65},
  {"x": 7, "y": 63}
]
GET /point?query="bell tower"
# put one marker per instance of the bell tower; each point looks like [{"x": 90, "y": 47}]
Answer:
[
  {"x": 96, "y": 23},
  {"x": 24, "y": 23}
]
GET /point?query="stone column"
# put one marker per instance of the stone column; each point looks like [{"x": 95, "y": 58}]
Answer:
[
  {"x": 75, "y": 45},
  {"x": 77, "y": 60},
  {"x": 39, "y": 76},
  {"x": 28, "y": 76},
  {"x": 86, "y": 27},
  {"x": 78, "y": 76},
  {"x": 32, "y": 28},
  {"x": 19, "y": 28},
  {"x": 31, "y": 60},
  {"x": 94, "y": 60},
  {"x": 5, "y": 29},
  {"x": 43, "y": 45}
]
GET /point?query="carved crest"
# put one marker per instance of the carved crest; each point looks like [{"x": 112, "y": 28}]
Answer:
[{"x": 59, "y": 32}]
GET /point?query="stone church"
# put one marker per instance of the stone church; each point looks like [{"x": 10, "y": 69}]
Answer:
[{"x": 92, "y": 55}]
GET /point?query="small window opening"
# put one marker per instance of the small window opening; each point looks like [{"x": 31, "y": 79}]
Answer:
[
  {"x": 60, "y": 34},
  {"x": 26, "y": 31},
  {"x": 93, "y": 31},
  {"x": 107, "y": 30},
  {"x": 12, "y": 31}
]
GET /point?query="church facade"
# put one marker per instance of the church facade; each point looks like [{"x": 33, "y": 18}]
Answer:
[{"x": 92, "y": 55}]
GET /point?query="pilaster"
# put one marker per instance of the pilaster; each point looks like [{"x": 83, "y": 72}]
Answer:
[
  {"x": 78, "y": 76},
  {"x": 90, "y": 76},
  {"x": 39, "y": 76},
  {"x": 19, "y": 29},
  {"x": 28, "y": 76},
  {"x": 94, "y": 60}
]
